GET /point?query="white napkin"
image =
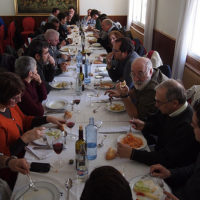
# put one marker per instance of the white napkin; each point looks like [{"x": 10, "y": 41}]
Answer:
[
  {"x": 39, "y": 154},
  {"x": 120, "y": 129}
]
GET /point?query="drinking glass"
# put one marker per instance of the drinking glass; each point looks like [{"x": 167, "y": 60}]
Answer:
[
  {"x": 57, "y": 144},
  {"x": 90, "y": 95},
  {"x": 70, "y": 124},
  {"x": 76, "y": 101}
]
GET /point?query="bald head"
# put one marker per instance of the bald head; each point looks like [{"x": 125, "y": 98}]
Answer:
[
  {"x": 141, "y": 64},
  {"x": 174, "y": 90},
  {"x": 106, "y": 24}
]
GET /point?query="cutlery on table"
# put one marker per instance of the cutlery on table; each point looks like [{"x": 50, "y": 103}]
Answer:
[
  {"x": 102, "y": 142},
  {"x": 68, "y": 186},
  {"x": 96, "y": 109}
]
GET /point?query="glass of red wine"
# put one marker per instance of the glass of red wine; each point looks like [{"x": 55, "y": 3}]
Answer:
[
  {"x": 76, "y": 102},
  {"x": 70, "y": 122},
  {"x": 58, "y": 143}
]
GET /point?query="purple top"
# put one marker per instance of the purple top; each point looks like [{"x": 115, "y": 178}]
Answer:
[{"x": 32, "y": 98}]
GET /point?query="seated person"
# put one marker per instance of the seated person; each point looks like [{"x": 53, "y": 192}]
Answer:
[
  {"x": 87, "y": 19},
  {"x": 139, "y": 101},
  {"x": 17, "y": 165},
  {"x": 35, "y": 90},
  {"x": 16, "y": 129},
  {"x": 124, "y": 55},
  {"x": 171, "y": 126},
  {"x": 39, "y": 50},
  {"x": 73, "y": 18},
  {"x": 54, "y": 14},
  {"x": 92, "y": 22},
  {"x": 185, "y": 181},
  {"x": 63, "y": 30},
  {"x": 106, "y": 183}
]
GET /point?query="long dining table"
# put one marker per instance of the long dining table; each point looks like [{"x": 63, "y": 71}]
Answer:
[{"x": 113, "y": 125}]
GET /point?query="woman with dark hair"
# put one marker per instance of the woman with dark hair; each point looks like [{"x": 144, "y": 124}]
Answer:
[
  {"x": 16, "y": 128},
  {"x": 185, "y": 181},
  {"x": 106, "y": 183}
]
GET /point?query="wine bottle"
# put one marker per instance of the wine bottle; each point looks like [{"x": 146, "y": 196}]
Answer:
[
  {"x": 79, "y": 142},
  {"x": 81, "y": 74}
]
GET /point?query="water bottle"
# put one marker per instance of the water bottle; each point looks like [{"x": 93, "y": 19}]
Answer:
[
  {"x": 87, "y": 72},
  {"x": 91, "y": 139},
  {"x": 79, "y": 58}
]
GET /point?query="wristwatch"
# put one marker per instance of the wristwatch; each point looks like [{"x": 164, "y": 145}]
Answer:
[{"x": 9, "y": 159}]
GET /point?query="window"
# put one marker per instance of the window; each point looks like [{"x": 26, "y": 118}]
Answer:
[
  {"x": 194, "y": 49},
  {"x": 139, "y": 11}
]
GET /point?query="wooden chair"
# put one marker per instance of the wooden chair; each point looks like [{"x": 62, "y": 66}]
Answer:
[{"x": 137, "y": 34}]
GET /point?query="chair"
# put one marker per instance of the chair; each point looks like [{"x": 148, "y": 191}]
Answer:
[
  {"x": 155, "y": 58},
  {"x": 166, "y": 70},
  {"x": 11, "y": 34},
  {"x": 28, "y": 24},
  {"x": 1, "y": 39}
]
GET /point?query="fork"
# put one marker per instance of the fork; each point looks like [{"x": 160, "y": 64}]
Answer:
[
  {"x": 96, "y": 109},
  {"x": 32, "y": 184}
]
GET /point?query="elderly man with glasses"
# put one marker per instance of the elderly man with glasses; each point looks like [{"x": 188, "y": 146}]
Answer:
[
  {"x": 140, "y": 99},
  {"x": 175, "y": 144}
]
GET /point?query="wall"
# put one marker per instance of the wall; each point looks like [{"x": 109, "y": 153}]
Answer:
[{"x": 110, "y": 7}]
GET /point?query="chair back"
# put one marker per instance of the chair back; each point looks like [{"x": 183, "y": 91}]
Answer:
[
  {"x": 11, "y": 33},
  {"x": 28, "y": 24},
  {"x": 166, "y": 70},
  {"x": 1, "y": 39}
]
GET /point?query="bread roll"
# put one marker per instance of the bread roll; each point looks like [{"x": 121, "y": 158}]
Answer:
[
  {"x": 111, "y": 154},
  {"x": 123, "y": 84},
  {"x": 61, "y": 127},
  {"x": 67, "y": 114}
]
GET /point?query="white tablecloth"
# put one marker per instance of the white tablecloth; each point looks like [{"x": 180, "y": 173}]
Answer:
[{"x": 110, "y": 120}]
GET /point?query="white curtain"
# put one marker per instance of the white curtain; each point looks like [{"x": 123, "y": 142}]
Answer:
[
  {"x": 130, "y": 14},
  {"x": 183, "y": 38},
  {"x": 149, "y": 24}
]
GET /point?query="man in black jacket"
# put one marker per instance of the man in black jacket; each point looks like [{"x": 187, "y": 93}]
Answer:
[
  {"x": 185, "y": 181},
  {"x": 175, "y": 145}
]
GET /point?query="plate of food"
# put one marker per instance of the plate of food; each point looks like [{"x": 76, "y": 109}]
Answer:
[
  {"x": 46, "y": 190},
  {"x": 148, "y": 188},
  {"x": 134, "y": 140},
  {"x": 106, "y": 85},
  {"x": 97, "y": 62},
  {"x": 48, "y": 133},
  {"x": 96, "y": 45},
  {"x": 60, "y": 85},
  {"x": 56, "y": 104},
  {"x": 103, "y": 55},
  {"x": 115, "y": 107}
]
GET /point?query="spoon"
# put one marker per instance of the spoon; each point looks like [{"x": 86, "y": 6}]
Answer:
[
  {"x": 101, "y": 143},
  {"x": 68, "y": 186}
]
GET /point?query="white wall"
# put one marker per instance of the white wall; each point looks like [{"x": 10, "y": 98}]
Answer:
[
  {"x": 167, "y": 16},
  {"x": 110, "y": 7},
  {"x": 7, "y": 7}
]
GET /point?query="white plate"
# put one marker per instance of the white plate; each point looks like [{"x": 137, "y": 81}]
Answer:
[
  {"x": 104, "y": 85},
  {"x": 56, "y": 104},
  {"x": 46, "y": 191},
  {"x": 136, "y": 135},
  {"x": 60, "y": 85},
  {"x": 96, "y": 45},
  {"x": 41, "y": 142},
  {"x": 134, "y": 180},
  {"x": 108, "y": 107}
]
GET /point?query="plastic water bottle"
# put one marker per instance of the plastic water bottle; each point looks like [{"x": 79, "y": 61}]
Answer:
[
  {"x": 87, "y": 71},
  {"x": 91, "y": 139},
  {"x": 79, "y": 58}
]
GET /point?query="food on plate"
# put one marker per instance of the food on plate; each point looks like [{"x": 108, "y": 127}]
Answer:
[
  {"x": 65, "y": 49},
  {"x": 111, "y": 154},
  {"x": 103, "y": 55},
  {"x": 55, "y": 133},
  {"x": 90, "y": 35},
  {"x": 123, "y": 84},
  {"x": 147, "y": 188},
  {"x": 61, "y": 127},
  {"x": 67, "y": 114},
  {"x": 117, "y": 107},
  {"x": 131, "y": 140},
  {"x": 61, "y": 85},
  {"x": 97, "y": 62},
  {"x": 57, "y": 105},
  {"x": 107, "y": 85}
]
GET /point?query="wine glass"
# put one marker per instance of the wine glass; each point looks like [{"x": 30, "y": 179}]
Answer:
[
  {"x": 76, "y": 101},
  {"x": 57, "y": 144},
  {"x": 90, "y": 95},
  {"x": 70, "y": 124}
]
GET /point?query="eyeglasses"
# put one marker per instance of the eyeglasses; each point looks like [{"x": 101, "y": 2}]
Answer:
[
  {"x": 160, "y": 103},
  {"x": 139, "y": 75}
]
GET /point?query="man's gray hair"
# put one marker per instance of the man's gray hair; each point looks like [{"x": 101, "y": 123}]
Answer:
[
  {"x": 23, "y": 65},
  {"x": 50, "y": 34},
  {"x": 175, "y": 90},
  {"x": 108, "y": 22}
]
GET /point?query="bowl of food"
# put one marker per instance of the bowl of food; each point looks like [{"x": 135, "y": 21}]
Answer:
[
  {"x": 115, "y": 107},
  {"x": 60, "y": 85}
]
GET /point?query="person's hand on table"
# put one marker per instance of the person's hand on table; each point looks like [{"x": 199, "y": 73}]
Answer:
[
  {"x": 160, "y": 171},
  {"x": 170, "y": 196},
  {"x": 32, "y": 134},
  {"x": 113, "y": 93},
  {"x": 65, "y": 57},
  {"x": 55, "y": 120},
  {"x": 137, "y": 124},
  {"x": 122, "y": 90},
  {"x": 51, "y": 60},
  {"x": 19, "y": 165},
  {"x": 123, "y": 150}
]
